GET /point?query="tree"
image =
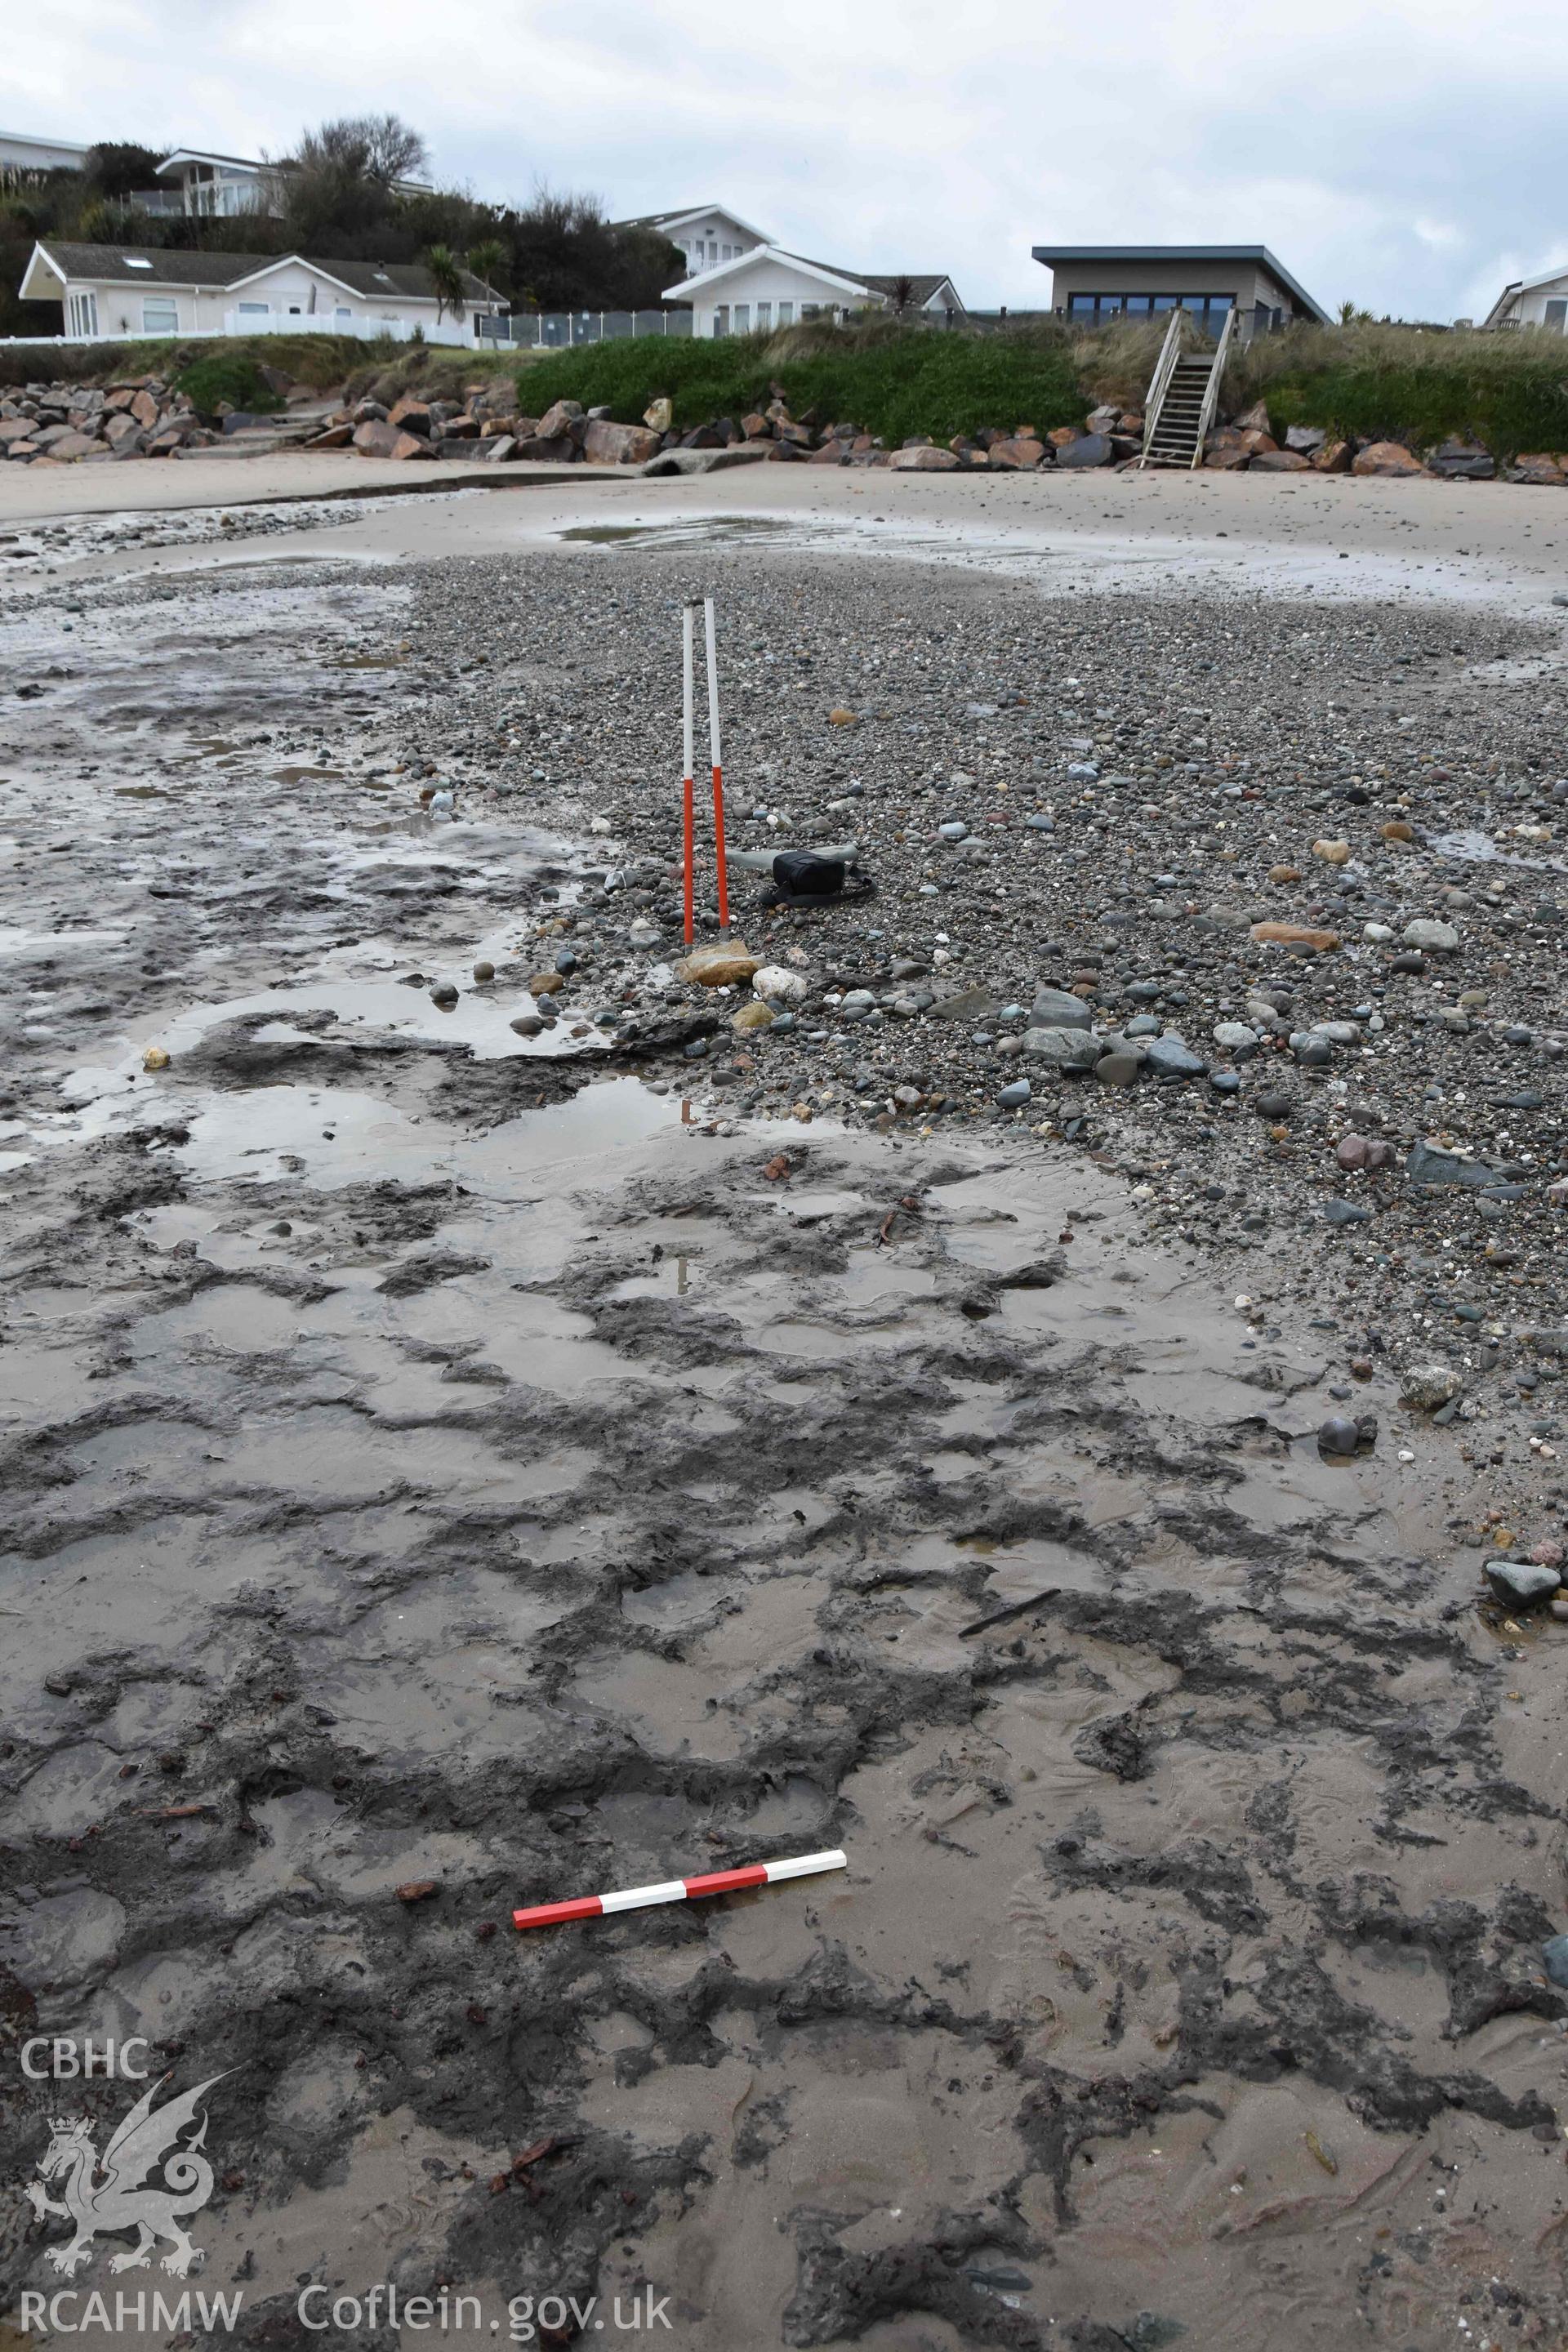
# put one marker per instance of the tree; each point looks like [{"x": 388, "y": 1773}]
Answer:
[
  {"x": 118, "y": 168},
  {"x": 394, "y": 150},
  {"x": 446, "y": 277},
  {"x": 490, "y": 260},
  {"x": 339, "y": 190},
  {"x": 903, "y": 294}
]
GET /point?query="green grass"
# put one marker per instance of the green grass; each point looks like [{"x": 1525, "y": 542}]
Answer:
[
  {"x": 894, "y": 382},
  {"x": 319, "y": 361},
  {"x": 1402, "y": 384}
]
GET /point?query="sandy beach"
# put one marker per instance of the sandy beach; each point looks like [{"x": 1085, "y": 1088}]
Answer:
[{"x": 449, "y": 1465}]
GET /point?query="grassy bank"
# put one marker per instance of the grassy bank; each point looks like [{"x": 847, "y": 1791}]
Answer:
[
  {"x": 1369, "y": 382},
  {"x": 322, "y": 362},
  {"x": 1394, "y": 384},
  {"x": 1372, "y": 383},
  {"x": 895, "y": 382},
  {"x": 319, "y": 361}
]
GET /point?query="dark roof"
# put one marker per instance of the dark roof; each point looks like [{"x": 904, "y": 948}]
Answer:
[
  {"x": 370, "y": 278},
  {"x": 1052, "y": 254},
  {"x": 113, "y": 261},
  {"x": 921, "y": 286}
]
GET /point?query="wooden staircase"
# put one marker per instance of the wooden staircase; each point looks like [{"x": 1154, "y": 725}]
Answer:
[{"x": 1182, "y": 398}]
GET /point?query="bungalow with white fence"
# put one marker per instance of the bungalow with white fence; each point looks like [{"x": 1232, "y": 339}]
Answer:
[
  {"x": 109, "y": 293},
  {"x": 767, "y": 288}
]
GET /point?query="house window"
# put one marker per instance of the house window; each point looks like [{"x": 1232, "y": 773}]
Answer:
[
  {"x": 1208, "y": 308},
  {"x": 1557, "y": 317},
  {"x": 764, "y": 314},
  {"x": 722, "y": 319},
  {"x": 342, "y": 316},
  {"x": 84, "y": 314},
  {"x": 786, "y": 314},
  {"x": 742, "y": 317},
  {"x": 160, "y": 315},
  {"x": 811, "y": 311},
  {"x": 255, "y": 309}
]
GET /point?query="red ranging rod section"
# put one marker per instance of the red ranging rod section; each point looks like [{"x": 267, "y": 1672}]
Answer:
[
  {"x": 717, "y": 756},
  {"x": 677, "y": 1890}
]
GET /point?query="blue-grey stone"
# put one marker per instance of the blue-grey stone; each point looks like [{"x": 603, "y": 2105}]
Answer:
[
  {"x": 1554, "y": 1951},
  {"x": 1430, "y": 1163},
  {"x": 1345, "y": 1212},
  {"x": 1173, "y": 1058},
  {"x": 1520, "y": 1583},
  {"x": 1014, "y": 1095},
  {"x": 1088, "y": 449}
]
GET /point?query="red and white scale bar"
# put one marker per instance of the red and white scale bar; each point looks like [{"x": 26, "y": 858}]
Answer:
[{"x": 677, "y": 1890}]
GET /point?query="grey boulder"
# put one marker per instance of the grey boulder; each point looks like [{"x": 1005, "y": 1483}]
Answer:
[
  {"x": 1063, "y": 1049},
  {"x": 1173, "y": 1058},
  {"x": 1054, "y": 1008}
]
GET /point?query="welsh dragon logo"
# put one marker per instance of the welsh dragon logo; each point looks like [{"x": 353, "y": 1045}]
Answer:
[{"x": 120, "y": 2193}]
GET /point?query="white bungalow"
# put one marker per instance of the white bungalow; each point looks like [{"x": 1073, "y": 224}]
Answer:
[
  {"x": 197, "y": 181},
  {"x": 708, "y": 234},
  {"x": 1534, "y": 303},
  {"x": 25, "y": 157},
  {"x": 221, "y": 186},
  {"x": 768, "y": 288},
  {"x": 111, "y": 292}
]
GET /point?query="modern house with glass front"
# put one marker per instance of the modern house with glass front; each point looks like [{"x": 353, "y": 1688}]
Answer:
[{"x": 1092, "y": 284}]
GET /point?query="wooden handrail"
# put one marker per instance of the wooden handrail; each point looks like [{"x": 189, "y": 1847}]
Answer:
[
  {"x": 1210, "y": 390},
  {"x": 1166, "y": 368}
]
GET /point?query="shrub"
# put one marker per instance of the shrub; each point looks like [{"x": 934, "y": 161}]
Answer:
[{"x": 228, "y": 378}]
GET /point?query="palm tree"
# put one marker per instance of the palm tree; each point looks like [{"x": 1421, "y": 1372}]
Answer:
[
  {"x": 447, "y": 278},
  {"x": 490, "y": 259}
]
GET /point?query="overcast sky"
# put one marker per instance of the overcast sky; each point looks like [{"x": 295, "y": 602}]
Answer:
[{"x": 1406, "y": 156}]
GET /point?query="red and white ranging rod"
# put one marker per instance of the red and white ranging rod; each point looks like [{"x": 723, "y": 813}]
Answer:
[
  {"x": 688, "y": 759},
  {"x": 677, "y": 1890},
  {"x": 716, "y": 755}
]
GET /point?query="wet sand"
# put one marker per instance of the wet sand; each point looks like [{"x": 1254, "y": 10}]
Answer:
[
  {"x": 423, "y": 1468},
  {"x": 1425, "y": 541}
]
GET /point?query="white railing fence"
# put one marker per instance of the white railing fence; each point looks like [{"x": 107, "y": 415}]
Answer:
[{"x": 453, "y": 333}]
